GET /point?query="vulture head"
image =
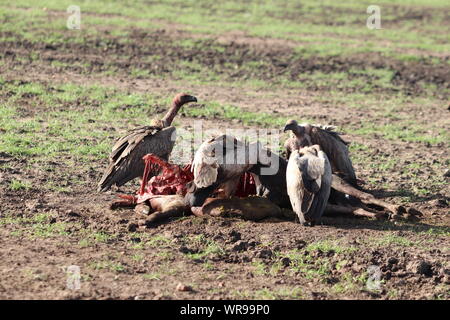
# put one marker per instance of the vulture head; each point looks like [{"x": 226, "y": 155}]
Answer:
[
  {"x": 298, "y": 130},
  {"x": 183, "y": 98},
  {"x": 301, "y": 132},
  {"x": 179, "y": 100}
]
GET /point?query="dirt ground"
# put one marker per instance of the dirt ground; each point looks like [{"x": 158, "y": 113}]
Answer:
[{"x": 217, "y": 258}]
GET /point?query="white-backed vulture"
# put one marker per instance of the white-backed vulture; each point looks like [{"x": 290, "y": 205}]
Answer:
[
  {"x": 218, "y": 164},
  {"x": 308, "y": 179},
  {"x": 329, "y": 141},
  {"x": 125, "y": 160}
]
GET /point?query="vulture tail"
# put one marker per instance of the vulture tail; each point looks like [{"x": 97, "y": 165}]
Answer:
[{"x": 107, "y": 180}]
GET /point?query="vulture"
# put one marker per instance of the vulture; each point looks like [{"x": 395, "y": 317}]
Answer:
[
  {"x": 125, "y": 160},
  {"x": 308, "y": 180},
  {"x": 329, "y": 141},
  {"x": 219, "y": 164}
]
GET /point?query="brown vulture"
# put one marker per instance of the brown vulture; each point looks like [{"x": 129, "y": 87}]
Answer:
[
  {"x": 125, "y": 160},
  {"x": 308, "y": 180},
  {"x": 329, "y": 141}
]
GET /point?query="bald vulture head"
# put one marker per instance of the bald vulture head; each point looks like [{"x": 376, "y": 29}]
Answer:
[
  {"x": 301, "y": 133},
  {"x": 178, "y": 101}
]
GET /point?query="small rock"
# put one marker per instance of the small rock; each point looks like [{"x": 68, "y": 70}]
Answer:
[
  {"x": 234, "y": 235},
  {"x": 447, "y": 173},
  {"x": 132, "y": 227},
  {"x": 264, "y": 254},
  {"x": 185, "y": 250},
  {"x": 253, "y": 243},
  {"x": 183, "y": 288},
  {"x": 388, "y": 275},
  {"x": 441, "y": 203},
  {"x": 71, "y": 213},
  {"x": 300, "y": 244}
]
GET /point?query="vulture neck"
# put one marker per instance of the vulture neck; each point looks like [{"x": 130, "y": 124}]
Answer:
[
  {"x": 303, "y": 138},
  {"x": 170, "y": 115}
]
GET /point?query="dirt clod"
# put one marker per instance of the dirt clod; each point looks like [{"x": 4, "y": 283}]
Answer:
[
  {"x": 420, "y": 267},
  {"x": 183, "y": 288}
]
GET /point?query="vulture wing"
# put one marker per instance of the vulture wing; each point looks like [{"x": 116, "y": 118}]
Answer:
[
  {"x": 337, "y": 151},
  {"x": 126, "y": 156},
  {"x": 218, "y": 162}
]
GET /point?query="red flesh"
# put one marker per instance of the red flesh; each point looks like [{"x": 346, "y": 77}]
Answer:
[{"x": 173, "y": 180}]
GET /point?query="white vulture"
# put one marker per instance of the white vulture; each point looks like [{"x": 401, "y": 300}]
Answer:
[
  {"x": 219, "y": 164},
  {"x": 329, "y": 141},
  {"x": 308, "y": 180}
]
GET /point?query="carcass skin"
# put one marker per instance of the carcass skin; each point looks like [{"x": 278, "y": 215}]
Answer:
[
  {"x": 271, "y": 186},
  {"x": 252, "y": 208},
  {"x": 165, "y": 194},
  {"x": 167, "y": 206}
]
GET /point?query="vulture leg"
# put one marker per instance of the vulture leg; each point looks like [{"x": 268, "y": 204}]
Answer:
[{"x": 340, "y": 185}]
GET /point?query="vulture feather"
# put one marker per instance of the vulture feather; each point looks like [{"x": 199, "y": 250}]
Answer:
[
  {"x": 218, "y": 164},
  {"x": 308, "y": 179},
  {"x": 329, "y": 141},
  {"x": 125, "y": 160}
]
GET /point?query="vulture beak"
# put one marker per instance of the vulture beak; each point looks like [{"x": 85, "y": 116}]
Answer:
[
  {"x": 191, "y": 99},
  {"x": 288, "y": 127}
]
